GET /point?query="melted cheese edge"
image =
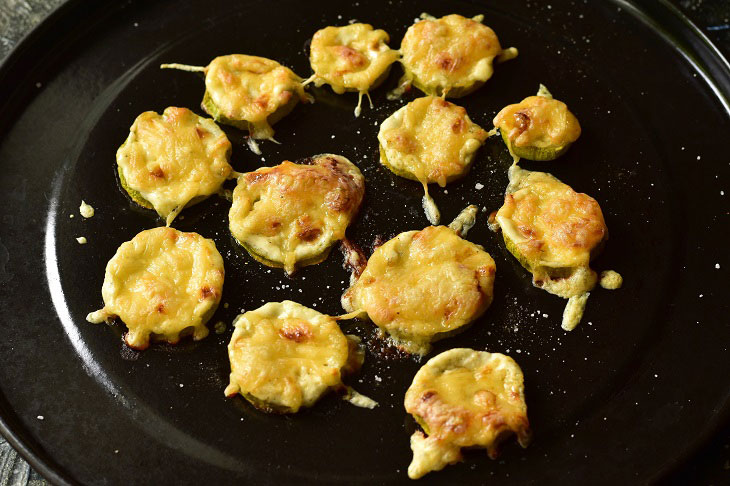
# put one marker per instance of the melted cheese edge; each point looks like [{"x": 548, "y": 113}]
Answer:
[
  {"x": 286, "y": 355},
  {"x": 161, "y": 283},
  {"x": 455, "y": 277},
  {"x": 174, "y": 159},
  {"x": 450, "y": 52},
  {"x": 465, "y": 398},
  {"x": 292, "y": 213},
  {"x": 538, "y": 121},
  {"x": 430, "y": 140},
  {"x": 350, "y": 58},
  {"x": 251, "y": 88}
]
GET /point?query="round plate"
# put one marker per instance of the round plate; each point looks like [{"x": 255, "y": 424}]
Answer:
[{"x": 624, "y": 397}]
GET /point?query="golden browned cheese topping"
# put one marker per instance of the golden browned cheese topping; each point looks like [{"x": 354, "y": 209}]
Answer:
[
  {"x": 430, "y": 140},
  {"x": 284, "y": 356},
  {"x": 465, "y": 398},
  {"x": 174, "y": 158},
  {"x": 294, "y": 212},
  {"x": 422, "y": 285},
  {"x": 538, "y": 121},
  {"x": 162, "y": 283},
  {"x": 549, "y": 223},
  {"x": 250, "y": 88},
  {"x": 450, "y": 52},
  {"x": 350, "y": 58}
]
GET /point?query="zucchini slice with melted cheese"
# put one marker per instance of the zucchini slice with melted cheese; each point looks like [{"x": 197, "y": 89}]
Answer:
[
  {"x": 249, "y": 92},
  {"x": 538, "y": 128},
  {"x": 451, "y": 56},
  {"x": 285, "y": 356},
  {"x": 163, "y": 284},
  {"x": 173, "y": 160},
  {"x": 423, "y": 286},
  {"x": 430, "y": 140},
  {"x": 554, "y": 232},
  {"x": 465, "y": 398},
  {"x": 290, "y": 215},
  {"x": 351, "y": 58}
]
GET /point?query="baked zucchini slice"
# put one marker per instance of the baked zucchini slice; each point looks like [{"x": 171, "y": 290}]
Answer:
[
  {"x": 163, "y": 284},
  {"x": 285, "y": 356},
  {"x": 465, "y": 398},
  {"x": 290, "y": 215},
  {"x": 248, "y": 92},
  {"x": 172, "y": 161},
  {"x": 430, "y": 140},
  {"x": 554, "y": 232},
  {"x": 423, "y": 286},
  {"x": 351, "y": 58},
  {"x": 537, "y": 128},
  {"x": 451, "y": 56}
]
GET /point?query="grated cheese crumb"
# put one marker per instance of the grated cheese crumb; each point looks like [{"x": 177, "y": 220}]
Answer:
[{"x": 86, "y": 210}]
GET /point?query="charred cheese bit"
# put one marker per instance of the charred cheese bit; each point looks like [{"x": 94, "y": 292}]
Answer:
[
  {"x": 173, "y": 160},
  {"x": 422, "y": 286},
  {"x": 284, "y": 356},
  {"x": 431, "y": 141},
  {"x": 451, "y": 56},
  {"x": 249, "y": 92},
  {"x": 538, "y": 128},
  {"x": 465, "y": 398},
  {"x": 351, "y": 58},
  {"x": 162, "y": 284},
  {"x": 291, "y": 214},
  {"x": 554, "y": 232}
]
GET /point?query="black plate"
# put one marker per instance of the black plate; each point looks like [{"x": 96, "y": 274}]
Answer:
[{"x": 625, "y": 397}]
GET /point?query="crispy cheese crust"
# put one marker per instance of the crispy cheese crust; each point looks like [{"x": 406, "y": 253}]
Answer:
[
  {"x": 173, "y": 160},
  {"x": 551, "y": 229},
  {"x": 538, "y": 122},
  {"x": 351, "y": 58},
  {"x": 429, "y": 140},
  {"x": 161, "y": 284},
  {"x": 450, "y": 56},
  {"x": 465, "y": 398},
  {"x": 250, "y": 92},
  {"x": 284, "y": 356},
  {"x": 291, "y": 214},
  {"x": 423, "y": 285}
]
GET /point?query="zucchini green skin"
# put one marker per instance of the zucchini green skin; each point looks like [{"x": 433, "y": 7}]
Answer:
[
  {"x": 539, "y": 271},
  {"x": 378, "y": 81},
  {"x": 453, "y": 92},
  {"x": 274, "y": 264},
  {"x": 538, "y": 154},
  {"x": 419, "y": 420},
  {"x": 135, "y": 195},
  {"x": 267, "y": 407},
  {"x": 212, "y": 109},
  {"x": 409, "y": 175},
  {"x": 400, "y": 173}
]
